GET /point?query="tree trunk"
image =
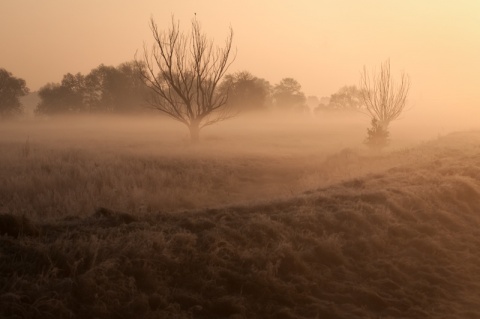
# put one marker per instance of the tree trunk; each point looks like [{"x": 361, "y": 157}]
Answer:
[{"x": 194, "y": 133}]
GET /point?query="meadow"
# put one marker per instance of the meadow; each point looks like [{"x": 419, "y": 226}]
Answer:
[
  {"x": 64, "y": 167},
  {"x": 266, "y": 218}
]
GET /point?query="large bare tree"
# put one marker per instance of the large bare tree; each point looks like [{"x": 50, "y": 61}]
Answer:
[
  {"x": 384, "y": 99},
  {"x": 183, "y": 71}
]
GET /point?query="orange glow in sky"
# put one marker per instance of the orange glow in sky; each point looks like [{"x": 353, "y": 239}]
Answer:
[{"x": 322, "y": 44}]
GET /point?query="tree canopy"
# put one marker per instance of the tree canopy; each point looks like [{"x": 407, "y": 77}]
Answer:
[
  {"x": 347, "y": 99},
  {"x": 288, "y": 95},
  {"x": 105, "y": 89},
  {"x": 11, "y": 89},
  {"x": 246, "y": 92}
]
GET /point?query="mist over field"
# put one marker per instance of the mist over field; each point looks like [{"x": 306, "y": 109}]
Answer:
[
  {"x": 260, "y": 159},
  {"x": 148, "y": 163},
  {"x": 270, "y": 216}
]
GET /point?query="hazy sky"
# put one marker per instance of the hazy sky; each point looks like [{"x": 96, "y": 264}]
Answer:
[{"x": 323, "y": 44}]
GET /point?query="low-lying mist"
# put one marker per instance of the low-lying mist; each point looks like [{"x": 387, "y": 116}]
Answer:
[
  {"x": 71, "y": 165},
  {"x": 245, "y": 132}
]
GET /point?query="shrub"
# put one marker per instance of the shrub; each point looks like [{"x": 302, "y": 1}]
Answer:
[{"x": 377, "y": 135}]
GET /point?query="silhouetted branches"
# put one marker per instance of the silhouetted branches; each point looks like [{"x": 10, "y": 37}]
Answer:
[
  {"x": 383, "y": 98},
  {"x": 183, "y": 72}
]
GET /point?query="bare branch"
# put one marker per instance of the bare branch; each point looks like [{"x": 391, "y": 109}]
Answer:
[
  {"x": 183, "y": 73},
  {"x": 384, "y": 99}
]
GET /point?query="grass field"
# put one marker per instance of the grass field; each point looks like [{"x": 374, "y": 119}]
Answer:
[
  {"x": 264, "y": 219},
  {"x": 58, "y": 168}
]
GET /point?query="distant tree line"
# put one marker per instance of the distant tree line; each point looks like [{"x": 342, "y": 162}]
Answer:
[
  {"x": 184, "y": 76},
  {"x": 346, "y": 99},
  {"x": 106, "y": 89},
  {"x": 121, "y": 89},
  {"x": 247, "y": 92}
]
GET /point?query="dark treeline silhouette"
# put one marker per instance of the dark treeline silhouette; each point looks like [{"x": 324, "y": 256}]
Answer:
[
  {"x": 247, "y": 92},
  {"x": 11, "y": 89},
  {"x": 347, "y": 99},
  {"x": 187, "y": 77},
  {"x": 184, "y": 76},
  {"x": 288, "y": 96},
  {"x": 106, "y": 89}
]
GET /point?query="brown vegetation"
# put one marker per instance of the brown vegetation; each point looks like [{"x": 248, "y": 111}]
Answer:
[
  {"x": 390, "y": 236},
  {"x": 70, "y": 167}
]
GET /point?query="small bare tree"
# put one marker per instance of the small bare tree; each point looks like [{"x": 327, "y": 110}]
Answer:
[
  {"x": 383, "y": 98},
  {"x": 183, "y": 72}
]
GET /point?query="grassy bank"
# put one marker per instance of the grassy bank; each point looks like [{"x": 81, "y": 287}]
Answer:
[{"x": 398, "y": 243}]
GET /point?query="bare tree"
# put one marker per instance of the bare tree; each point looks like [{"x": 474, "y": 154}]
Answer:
[
  {"x": 383, "y": 98},
  {"x": 183, "y": 72}
]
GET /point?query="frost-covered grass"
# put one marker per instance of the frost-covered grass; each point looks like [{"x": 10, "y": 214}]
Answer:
[
  {"x": 324, "y": 231},
  {"x": 57, "y": 168}
]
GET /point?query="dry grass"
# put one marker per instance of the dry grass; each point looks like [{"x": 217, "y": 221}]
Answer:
[
  {"x": 70, "y": 167},
  {"x": 359, "y": 236}
]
